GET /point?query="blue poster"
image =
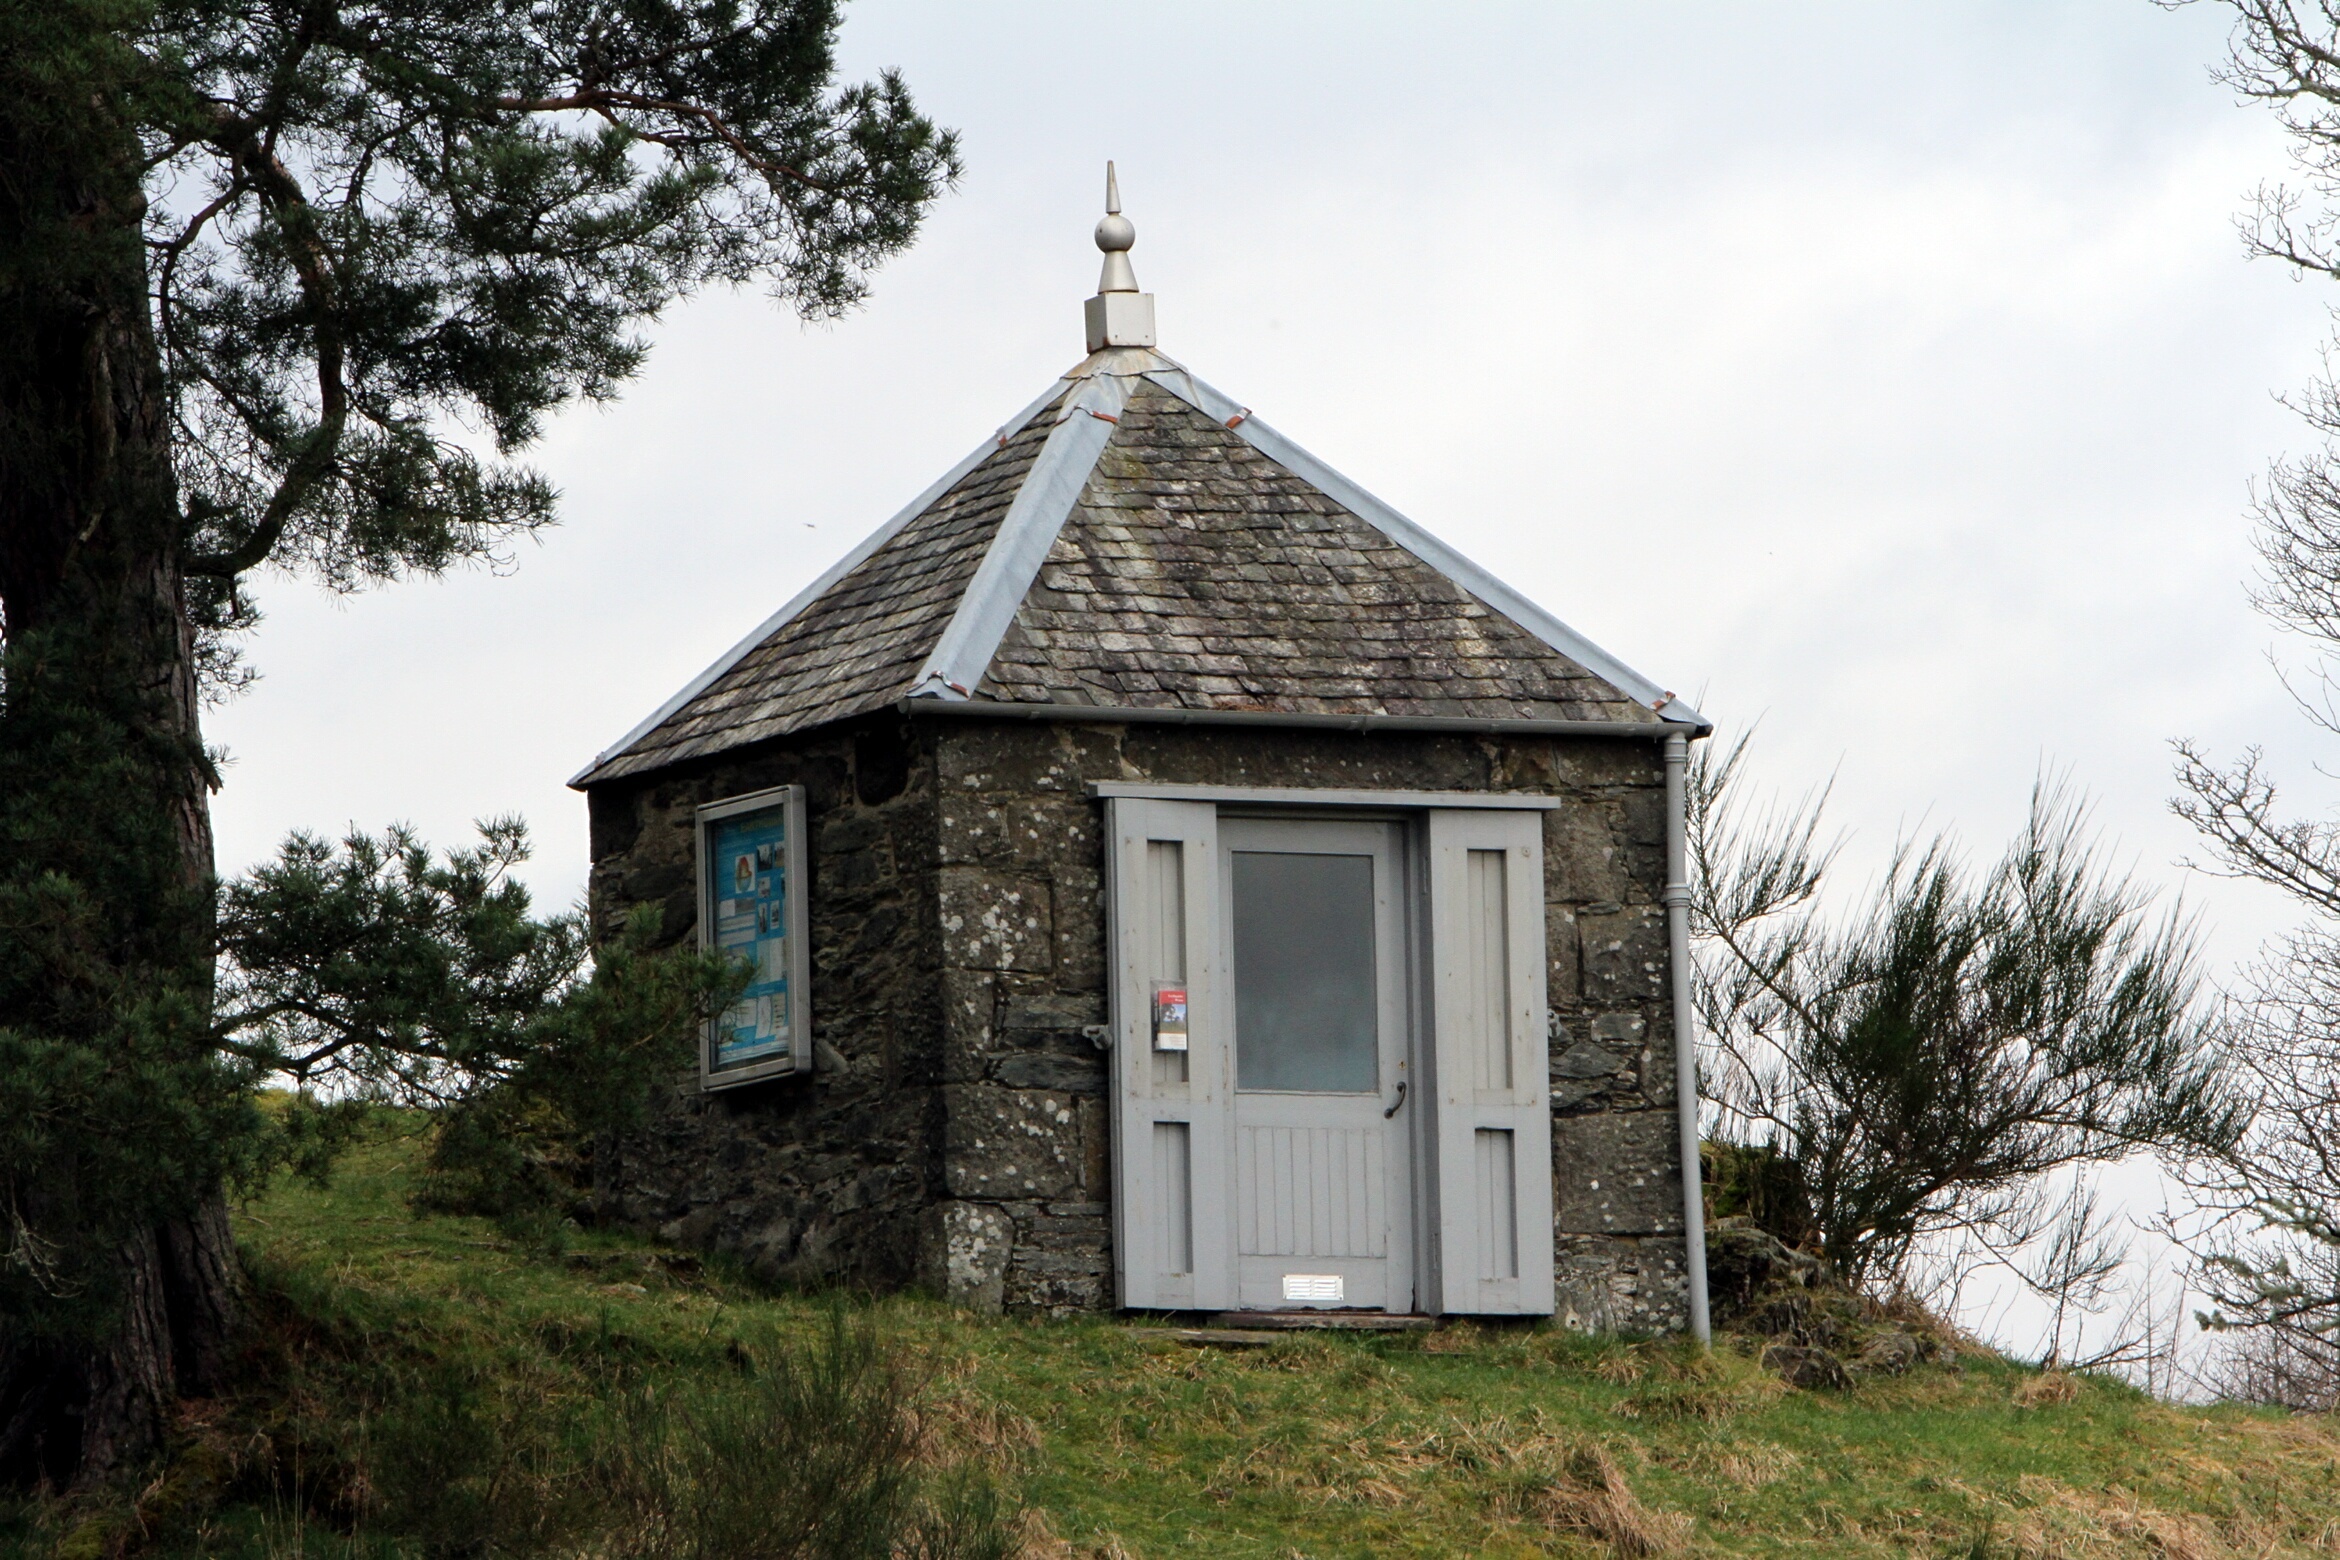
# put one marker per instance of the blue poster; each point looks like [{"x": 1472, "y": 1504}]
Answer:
[{"x": 747, "y": 875}]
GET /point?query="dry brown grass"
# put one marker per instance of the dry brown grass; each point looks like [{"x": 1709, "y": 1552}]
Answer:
[
  {"x": 1623, "y": 1368},
  {"x": 1036, "y": 1540},
  {"x": 955, "y": 1425},
  {"x": 2063, "y": 1523},
  {"x": 2048, "y": 1389},
  {"x": 1455, "y": 1338},
  {"x": 1753, "y": 1466},
  {"x": 1591, "y": 1498}
]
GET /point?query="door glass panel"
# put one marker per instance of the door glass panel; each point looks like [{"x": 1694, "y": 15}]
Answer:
[{"x": 1304, "y": 991}]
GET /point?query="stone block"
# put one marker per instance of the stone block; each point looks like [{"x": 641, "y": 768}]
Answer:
[
  {"x": 1064, "y": 1072},
  {"x": 1032, "y": 834},
  {"x": 1077, "y": 907},
  {"x": 970, "y": 1036},
  {"x": 975, "y": 828},
  {"x": 1009, "y": 1143},
  {"x": 1614, "y": 1173},
  {"x": 1657, "y": 1058},
  {"x": 1583, "y": 857},
  {"x": 1644, "y": 811},
  {"x": 1224, "y": 755},
  {"x": 1645, "y": 870},
  {"x": 846, "y": 872},
  {"x": 1584, "y": 1059},
  {"x": 1572, "y": 1096},
  {"x": 1599, "y": 1063},
  {"x": 963, "y": 1254},
  {"x": 1053, "y": 1012},
  {"x": 1057, "y": 1286},
  {"x": 1063, "y": 1260},
  {"x": 848, "y": 829},
  {"x": 1606, "y": 1285},
  {"x": 973, "y": 757},
  {"x": 879, "y": 930},
  {"x": 1624, "y": 952},
  {"x": 1564, "y": 958},
  {"x": 994, "y": 921},
  {"x": 1627, "y": 1030},
  {"x": 1577, "y": 763}
]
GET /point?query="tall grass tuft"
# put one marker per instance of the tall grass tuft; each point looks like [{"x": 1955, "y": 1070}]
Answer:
[
  {"x": 818, "y": 1446},
  {"x": 816, "y": 1455},
  {"x": 1592, "y": 1499}
]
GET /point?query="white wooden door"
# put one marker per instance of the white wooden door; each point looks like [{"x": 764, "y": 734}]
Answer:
[{"x": 1313, "y": 922}]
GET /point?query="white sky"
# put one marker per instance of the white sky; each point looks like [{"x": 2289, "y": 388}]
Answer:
[{"x": 1890, "y": 373}]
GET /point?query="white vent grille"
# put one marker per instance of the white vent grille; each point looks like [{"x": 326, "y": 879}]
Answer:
[{"x": 1312, "y": 1286}]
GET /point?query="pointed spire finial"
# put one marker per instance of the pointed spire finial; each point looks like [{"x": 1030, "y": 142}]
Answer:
[
  {"x": 1120, "y": 315},
  {"x": 1114, "y": 236}
]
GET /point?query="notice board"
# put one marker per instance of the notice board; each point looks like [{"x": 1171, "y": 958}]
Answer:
[{"x": 752, "y": 906}]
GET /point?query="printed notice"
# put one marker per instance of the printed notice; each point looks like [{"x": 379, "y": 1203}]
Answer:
[
  {"x": 1169, "y": 1018},
  {"x": 747, "y": 869}
]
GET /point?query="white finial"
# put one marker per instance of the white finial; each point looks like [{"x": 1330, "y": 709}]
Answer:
[
  {"x": 1120, "y": 315},
  {"x": 1114, "y": 236}
]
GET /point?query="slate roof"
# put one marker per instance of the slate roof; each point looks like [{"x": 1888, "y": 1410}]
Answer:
[
  {"x": 1137, "y": 540},
  {"x": 1196, "y": 573}
]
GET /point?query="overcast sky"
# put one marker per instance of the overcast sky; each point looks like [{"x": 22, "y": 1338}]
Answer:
[{"x": 1891, "y": 374}]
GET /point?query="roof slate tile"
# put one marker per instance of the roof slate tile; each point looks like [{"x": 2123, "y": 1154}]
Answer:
[{"x": 1193, "y": 572}]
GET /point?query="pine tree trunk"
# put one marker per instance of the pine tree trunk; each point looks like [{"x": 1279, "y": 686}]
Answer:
[{"x": 90, "y": 575}]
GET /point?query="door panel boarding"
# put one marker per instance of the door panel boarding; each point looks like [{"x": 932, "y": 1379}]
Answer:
[{"x": 1314, "y": 916}]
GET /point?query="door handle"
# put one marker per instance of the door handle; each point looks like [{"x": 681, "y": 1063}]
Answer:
[{"x": 1397, "y": 1104}]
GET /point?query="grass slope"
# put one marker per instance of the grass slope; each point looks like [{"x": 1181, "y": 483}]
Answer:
[{"x": 1460, "y": 1442}]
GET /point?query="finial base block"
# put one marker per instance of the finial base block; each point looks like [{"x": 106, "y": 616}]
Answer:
[{"x": 1120, "y": 319}]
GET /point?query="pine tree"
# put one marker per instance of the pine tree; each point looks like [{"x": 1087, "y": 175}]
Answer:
[{"x": 255, "y": 261}]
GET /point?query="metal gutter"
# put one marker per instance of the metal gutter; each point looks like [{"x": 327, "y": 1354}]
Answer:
[
  {"x": 1326, "y": 796},
  {"x": 797, "y": 603},
  {"x": 1128, "y": 715},
  {"x": 955, "y": 667},
  {"x": 1676, "y": 899},
  {"x": 1222, "y": 408}
]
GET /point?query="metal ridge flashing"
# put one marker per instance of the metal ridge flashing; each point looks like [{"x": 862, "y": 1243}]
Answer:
[
  {"x": 955, "y": 667},
  {"x": 1248, "y": 426},
  {"x": 852, "y": 560},
  {"x": 1134, "y": 715}
]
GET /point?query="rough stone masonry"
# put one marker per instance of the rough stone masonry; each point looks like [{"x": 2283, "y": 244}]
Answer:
[{"x": 953, "y": 1134}]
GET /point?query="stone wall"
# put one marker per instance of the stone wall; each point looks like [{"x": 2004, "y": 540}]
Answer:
[
  {"x": 956, "y": 1132},
  {"x": 835, "y": 1176},
  {"x": 1024, "y": 948}
]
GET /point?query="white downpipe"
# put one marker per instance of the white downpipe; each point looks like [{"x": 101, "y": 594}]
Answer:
[{"x": 1677, "y": 903}]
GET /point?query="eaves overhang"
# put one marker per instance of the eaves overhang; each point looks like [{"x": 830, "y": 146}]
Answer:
[{"x": 1088, "y": 401}]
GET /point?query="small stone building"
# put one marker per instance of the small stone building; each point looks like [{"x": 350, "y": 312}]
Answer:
[{"x": 1174, "y": 881}]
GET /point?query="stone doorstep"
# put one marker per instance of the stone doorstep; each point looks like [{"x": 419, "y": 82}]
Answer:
[
  {"x": 1258, "y": 1329},
  {"x": 1205, "y": 1337},
  {"x": 1325, "y": 1321}
]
